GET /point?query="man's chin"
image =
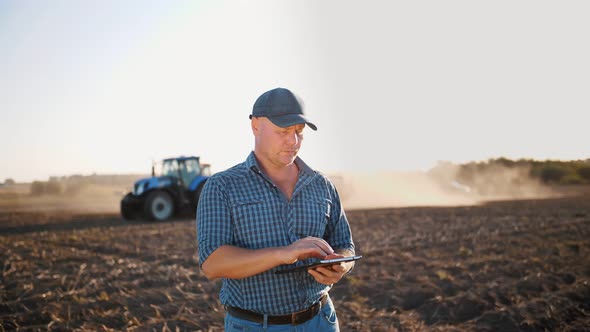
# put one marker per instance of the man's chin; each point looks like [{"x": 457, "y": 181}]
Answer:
[{"x": 287, "y": 161}]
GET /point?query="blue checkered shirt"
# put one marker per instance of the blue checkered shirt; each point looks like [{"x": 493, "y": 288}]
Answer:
[{"x": 242, "y": 207}]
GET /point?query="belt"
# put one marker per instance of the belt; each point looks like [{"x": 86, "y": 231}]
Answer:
[{"x": 295, "y": 318}]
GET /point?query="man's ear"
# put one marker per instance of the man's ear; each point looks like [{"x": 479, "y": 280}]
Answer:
[{"x": 255, "y": 124}]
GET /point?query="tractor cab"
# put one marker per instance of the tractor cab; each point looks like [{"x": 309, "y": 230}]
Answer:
[{"x": 185, "y": 169}]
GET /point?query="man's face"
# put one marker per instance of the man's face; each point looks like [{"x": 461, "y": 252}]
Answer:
[{"x": 277, "y": 145}]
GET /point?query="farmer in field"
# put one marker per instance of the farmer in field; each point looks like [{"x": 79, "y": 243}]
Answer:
[{"x": 270, "y": 213}]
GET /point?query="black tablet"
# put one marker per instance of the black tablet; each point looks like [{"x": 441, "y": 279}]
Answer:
[{"x": 322, "y": 262}]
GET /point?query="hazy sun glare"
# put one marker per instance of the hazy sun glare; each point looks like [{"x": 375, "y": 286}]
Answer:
[{"x": 109, "y": 87}]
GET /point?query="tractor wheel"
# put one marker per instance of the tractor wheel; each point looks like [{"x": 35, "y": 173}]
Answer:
[
  {"x": 127, "y": 209},
  {"x": 126, "y": 213},
  {"x": 159, "y": 206}
]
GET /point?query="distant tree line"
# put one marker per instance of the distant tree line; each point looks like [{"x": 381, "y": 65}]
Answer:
[
  {"x": 548, "y": 171},
  {"x": 73, "y": 184},
  {"x": 46, "y": 187}
]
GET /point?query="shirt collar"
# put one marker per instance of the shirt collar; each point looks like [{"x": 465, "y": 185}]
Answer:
[{"x": 304, "y": 169}]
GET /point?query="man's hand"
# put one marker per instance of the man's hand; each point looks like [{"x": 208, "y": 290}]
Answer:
[
  {"x": 329, "y": 275},
  {"x": 307, "y": 247},
  {"x": 237, "y": 263}
]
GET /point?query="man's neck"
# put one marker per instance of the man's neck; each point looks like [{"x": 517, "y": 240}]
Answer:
[
  {"x": 285, "y": 177},
  {"x": 279, "y": 173}
]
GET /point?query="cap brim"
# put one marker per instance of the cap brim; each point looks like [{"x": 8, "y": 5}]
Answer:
[{"x": 289, "y": 120}]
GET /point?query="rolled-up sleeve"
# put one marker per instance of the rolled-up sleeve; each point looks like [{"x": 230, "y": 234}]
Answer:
[{"x": 214, "y": 225}]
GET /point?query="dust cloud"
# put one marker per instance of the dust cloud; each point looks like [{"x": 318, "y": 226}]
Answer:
[
  {"x": 90, "y": 199},
  {"x": 441, "y": 186},
  {"x": 444, "y": 185}
]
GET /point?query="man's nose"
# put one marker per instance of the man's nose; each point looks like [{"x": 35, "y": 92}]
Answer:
[{"x": 293, "y": 139}]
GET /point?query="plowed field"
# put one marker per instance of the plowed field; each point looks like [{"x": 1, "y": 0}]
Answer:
[{"x": 502, "y": 266}]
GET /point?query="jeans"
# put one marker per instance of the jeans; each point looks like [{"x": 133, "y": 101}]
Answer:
[{"x": 324, "y": 321}]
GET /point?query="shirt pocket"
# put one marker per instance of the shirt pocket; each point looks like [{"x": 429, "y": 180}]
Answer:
[
  {"x": 313, "y": 218},
  {"x": 256, "y": 224}
]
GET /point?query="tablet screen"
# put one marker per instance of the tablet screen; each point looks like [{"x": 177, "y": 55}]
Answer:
[{"x": 322, "y": 262}]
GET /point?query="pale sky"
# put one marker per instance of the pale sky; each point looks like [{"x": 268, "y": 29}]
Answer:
[{"x": 107, "y": 86}]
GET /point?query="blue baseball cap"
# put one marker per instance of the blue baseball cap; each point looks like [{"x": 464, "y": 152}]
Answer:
[{"x": 281, "y": 107}]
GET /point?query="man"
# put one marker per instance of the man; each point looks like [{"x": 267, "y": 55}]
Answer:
[{"x": 270, "y": 213}]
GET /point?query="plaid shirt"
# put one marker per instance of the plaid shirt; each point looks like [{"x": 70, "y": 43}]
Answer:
[{"x": 242, "y": 207}]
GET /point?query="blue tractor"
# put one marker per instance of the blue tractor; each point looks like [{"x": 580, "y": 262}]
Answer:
[{"x": 176, "y": 190}]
